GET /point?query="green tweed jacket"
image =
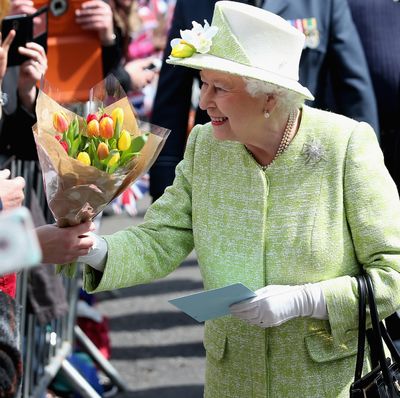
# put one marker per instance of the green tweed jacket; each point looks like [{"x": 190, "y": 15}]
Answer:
[{"x": 323, "y": 210}]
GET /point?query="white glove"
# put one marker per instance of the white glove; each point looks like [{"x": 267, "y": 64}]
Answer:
[
  {"x": 276, "y": 304},
  {"x": 97, "y": 256}
]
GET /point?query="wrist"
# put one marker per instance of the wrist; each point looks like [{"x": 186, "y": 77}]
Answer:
[
  {"x": 97, "y": 256},
  {"x": 27, "y": 98},
  {"x": 108, "y": 39},
  {"x": 315, "y": 301}
]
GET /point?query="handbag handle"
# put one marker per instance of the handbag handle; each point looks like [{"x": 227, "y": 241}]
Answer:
[
  {"x": 361, "y": 326},
  {"x": 378, "y": 332}
]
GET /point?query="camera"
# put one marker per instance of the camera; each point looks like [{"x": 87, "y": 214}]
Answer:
[
  {"x": 27, "y": 28},
  {"x": 19, "y": 245}
]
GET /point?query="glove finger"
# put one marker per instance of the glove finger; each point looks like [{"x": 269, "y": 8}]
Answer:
[
  {"x": 247, "y": 315},
  {"x": 244, "y": 305}
]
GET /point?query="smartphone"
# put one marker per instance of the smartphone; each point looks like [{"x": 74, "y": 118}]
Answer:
[
  {"x": 28, "y": 28},
  {"x": 19, "y": 245}
]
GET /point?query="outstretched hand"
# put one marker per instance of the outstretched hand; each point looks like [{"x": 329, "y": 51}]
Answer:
[{"x": 65, "y": 245}]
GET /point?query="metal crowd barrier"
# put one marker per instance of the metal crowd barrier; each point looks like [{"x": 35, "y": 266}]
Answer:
[{"x": 46, "y": 348}]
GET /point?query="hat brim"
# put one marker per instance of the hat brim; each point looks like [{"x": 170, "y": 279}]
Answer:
[{"x": 208, "y": 61}]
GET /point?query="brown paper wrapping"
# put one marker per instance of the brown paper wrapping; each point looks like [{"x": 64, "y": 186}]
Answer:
[{"x": 76, "y": 192}]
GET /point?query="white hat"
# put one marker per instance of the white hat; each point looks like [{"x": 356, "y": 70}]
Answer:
[{"x": 245, "y": 41}]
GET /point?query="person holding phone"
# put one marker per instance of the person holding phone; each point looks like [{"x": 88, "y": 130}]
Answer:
[
  {"x": 19, "y": 93},
  {"x": 4, "y": 47},
  {"x": 98, "y": 16}
]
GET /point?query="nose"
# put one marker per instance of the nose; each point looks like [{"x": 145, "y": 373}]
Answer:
[{"x": 206, "y": 97}]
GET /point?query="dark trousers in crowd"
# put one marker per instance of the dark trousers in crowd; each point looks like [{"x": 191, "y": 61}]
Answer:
[{"x": 390, "y": 143}]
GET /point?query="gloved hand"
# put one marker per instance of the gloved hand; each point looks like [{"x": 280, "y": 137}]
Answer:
[
  {"x": 276, "y": 304},
  {"x": 97, "y": 255}
]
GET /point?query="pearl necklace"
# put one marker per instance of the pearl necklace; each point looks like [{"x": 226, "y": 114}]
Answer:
[
  {"x": 287, "y": 134},
  {"x": 285, "y": 141}
]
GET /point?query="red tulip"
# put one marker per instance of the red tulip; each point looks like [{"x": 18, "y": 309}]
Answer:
[
  {"x": 64, "y": 144},
  {"x": 91, "y": 116}
]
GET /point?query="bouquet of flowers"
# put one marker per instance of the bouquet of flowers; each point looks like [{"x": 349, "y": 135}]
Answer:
[{"x": 89, "y": 160}]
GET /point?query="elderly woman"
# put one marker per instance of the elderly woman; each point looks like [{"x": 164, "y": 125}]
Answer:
[{"x": 291, "y": 201}]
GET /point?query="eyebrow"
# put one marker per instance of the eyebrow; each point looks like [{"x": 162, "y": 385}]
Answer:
[{"x": 218, "y": 81}]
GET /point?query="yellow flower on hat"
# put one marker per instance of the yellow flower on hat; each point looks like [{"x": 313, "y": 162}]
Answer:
[
  {"x": 182, "y": 49},
  {"x": 198, "y": 39}
]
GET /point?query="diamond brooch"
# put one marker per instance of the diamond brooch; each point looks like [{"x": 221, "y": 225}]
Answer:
[{"x": 313, "y": 152}]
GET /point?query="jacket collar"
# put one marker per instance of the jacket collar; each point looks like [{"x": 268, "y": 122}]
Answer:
[{"x": 275, "y": 6}]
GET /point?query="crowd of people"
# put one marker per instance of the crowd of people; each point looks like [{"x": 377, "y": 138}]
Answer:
[{"x": 281, "y": 171}]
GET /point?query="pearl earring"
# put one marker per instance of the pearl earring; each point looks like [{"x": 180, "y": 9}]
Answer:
[{"x": 266, "y": 114}]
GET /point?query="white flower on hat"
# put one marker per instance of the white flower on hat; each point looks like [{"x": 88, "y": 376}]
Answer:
[{"x": 198, "y": 39}]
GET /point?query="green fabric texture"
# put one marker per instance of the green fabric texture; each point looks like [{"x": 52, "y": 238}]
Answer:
[
  {"x": 224, "y": 43},
  {"x": 303, "y": 220}
]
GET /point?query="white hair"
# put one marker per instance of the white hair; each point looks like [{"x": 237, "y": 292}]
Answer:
[{"x": 287, "y": 100}]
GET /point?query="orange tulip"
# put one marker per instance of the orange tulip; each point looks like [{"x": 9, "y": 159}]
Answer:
[
  {"x": 60, "y": 121},
  {"x": 102, "y": 150},
  {"x": 106, "y": 127},
  {"x": 93, "y": 128}
]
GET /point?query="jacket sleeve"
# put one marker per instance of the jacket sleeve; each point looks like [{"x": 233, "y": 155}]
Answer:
[
  {"x": 155, "y": 248},
  {"x": 351, "y": 82},
  {"x": 372, "y": 210}
]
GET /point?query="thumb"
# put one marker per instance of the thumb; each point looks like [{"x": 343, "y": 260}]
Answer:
[
  {"x": 84, "y": 228},
  {"x": 4, "y": 174}
]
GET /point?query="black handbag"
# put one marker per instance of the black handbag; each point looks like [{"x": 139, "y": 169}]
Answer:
[{"x": 383, "y": 381}]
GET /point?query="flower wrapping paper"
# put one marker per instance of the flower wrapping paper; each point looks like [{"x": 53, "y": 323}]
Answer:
[{"x": 76, "y": 192}]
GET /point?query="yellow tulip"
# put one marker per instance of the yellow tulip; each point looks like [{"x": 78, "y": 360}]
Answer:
[
  {"x": 124, "y": 141},
  {"x": 117, "y": 115},
  {"x": 84, "y": 158},
  {"x": 113, "y": 160}
]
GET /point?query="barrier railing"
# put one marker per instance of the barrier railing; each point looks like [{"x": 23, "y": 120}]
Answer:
[{"x": 46, "y": 348}]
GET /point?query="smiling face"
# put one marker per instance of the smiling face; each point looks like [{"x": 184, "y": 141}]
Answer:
[{"x": 235, "y": 114}]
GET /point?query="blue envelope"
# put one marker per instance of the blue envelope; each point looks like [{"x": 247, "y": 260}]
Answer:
[{"x": 213, "y": 303}]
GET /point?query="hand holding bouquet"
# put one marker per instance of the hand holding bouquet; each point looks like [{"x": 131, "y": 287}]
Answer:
[{"x": 87, "y": 161}]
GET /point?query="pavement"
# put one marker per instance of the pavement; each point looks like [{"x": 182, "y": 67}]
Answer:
[{"x": 156, "y": 349}]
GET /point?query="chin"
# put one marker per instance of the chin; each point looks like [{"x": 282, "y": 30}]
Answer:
[{"x": 221, "y": 135}]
